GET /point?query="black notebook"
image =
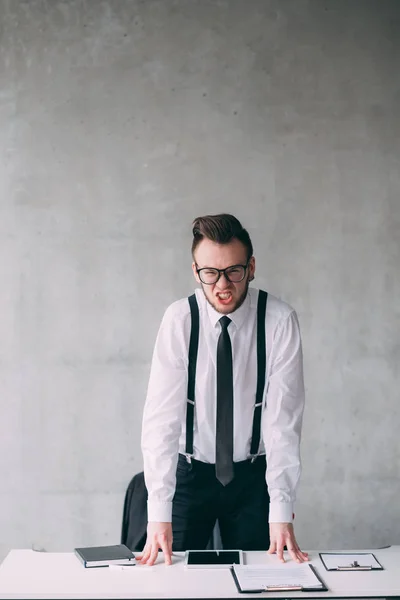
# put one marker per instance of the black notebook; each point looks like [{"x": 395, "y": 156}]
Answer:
[{"x": 103, "y": 556}]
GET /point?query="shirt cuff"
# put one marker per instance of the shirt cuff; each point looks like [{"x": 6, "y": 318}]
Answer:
[
  {"x": 161, "y": 512},
  {"x": 281, "y": 512}
]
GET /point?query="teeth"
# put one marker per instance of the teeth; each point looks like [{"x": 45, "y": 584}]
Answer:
[{"x": 224, "y": 296}]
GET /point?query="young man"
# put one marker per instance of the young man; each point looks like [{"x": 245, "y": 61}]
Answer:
[{"x": 225, "y": 445}]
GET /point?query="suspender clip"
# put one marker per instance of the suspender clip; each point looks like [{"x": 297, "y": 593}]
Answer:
[{"x": 189, "y": 458}]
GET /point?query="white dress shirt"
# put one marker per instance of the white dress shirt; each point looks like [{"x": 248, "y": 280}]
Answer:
[{"x": 164, "y": 419}]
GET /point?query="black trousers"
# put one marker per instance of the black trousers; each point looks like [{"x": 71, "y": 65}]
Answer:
[{"x": 241, "y": 507}]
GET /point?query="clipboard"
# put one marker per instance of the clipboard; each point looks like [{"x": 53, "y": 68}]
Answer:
[
  {"x": 321, "y": 587},
  {"x": 353, "y": 561}
]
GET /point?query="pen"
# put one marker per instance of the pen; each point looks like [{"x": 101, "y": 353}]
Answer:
[{"x": 129, "y": 567}]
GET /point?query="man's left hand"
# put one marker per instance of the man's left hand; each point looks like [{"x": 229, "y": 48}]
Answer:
[{"x": 281, "y": 535}]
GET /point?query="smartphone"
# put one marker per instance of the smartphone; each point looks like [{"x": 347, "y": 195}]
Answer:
[{"x": 213, "y": 559}]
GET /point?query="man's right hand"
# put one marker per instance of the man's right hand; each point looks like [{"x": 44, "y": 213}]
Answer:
[{"x": 159, "y": 536}]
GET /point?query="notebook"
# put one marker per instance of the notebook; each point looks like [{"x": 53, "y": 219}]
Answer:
[
  {"x": 103, "y": 556},
  {"x": 277, "y": 578}
]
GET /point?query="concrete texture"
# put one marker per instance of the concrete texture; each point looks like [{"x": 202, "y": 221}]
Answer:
[{"x": 120, "y": 122}]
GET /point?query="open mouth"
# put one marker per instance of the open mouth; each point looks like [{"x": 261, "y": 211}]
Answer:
[{"x": 225, "y": 298}]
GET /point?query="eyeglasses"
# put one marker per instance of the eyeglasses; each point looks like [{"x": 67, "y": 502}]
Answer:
[{"x": 234, "y": 274}]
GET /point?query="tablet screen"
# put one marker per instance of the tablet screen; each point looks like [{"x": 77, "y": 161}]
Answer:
[{"x": 213, "y": 557}]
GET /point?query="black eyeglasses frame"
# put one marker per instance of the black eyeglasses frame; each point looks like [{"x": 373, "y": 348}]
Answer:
[{"x": 220, "y": 271}]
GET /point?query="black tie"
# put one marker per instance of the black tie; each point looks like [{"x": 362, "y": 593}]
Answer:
[{"x": 224, "y": 433}]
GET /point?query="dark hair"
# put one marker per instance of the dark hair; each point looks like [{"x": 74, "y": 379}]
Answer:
[{"x": 221, "y": 229}]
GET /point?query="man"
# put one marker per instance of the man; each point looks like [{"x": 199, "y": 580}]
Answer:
[{"x": 199, "y": 460}]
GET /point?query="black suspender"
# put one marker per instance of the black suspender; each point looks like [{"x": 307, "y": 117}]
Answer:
[
  {"x": 261, "y": 371},
  {"x": 193, "y": 348}
]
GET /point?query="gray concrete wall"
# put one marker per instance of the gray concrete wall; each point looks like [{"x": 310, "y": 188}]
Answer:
[{"x": 122, "y": 120}]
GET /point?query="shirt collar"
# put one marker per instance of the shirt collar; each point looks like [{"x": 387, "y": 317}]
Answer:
[{"x": 238, "y": 317}]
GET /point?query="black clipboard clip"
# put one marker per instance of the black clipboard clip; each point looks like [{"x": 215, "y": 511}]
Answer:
[{"x": 355, "y": 566}]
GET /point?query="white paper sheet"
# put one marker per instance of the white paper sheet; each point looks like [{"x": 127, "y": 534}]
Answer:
[
  {"x": 259, "y": 577},
  {"x": 335, "y": 560}
]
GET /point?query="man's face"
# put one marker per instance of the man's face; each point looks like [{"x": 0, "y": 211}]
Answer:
[{"x": 224, "y": 295}]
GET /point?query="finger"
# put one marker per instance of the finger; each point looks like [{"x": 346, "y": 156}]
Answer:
[
  {"x": 292, "y": 547},
  {"x": 170, "y": 546},
  {"x": 279, "y": 550},
  {"x": 167, "y": 556},
  {"x": 304, "y": 556},
  {"x": 301, "y": 556},
  {"x": 143, "y": 558},
  {"x": 165, "y": 549},
  {"x": 272, "y": 548},
  {"x": 141, "y": 554},
  {"x": 153, "y": 554},
  {"x": 293, "y": 551}
]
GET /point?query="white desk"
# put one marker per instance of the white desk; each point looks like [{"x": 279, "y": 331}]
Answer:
[{"x": 29, "y": 574}]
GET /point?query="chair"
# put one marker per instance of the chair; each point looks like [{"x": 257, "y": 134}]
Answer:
[{"x": 134, "y": 518}]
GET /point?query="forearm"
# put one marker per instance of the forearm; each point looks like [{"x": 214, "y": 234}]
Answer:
[
  {"x": 160, "y": 443},
  {"x": 162, "y": 418},
  {"x": 282, "y": 475},
  {"x": 282, "y": 421}
]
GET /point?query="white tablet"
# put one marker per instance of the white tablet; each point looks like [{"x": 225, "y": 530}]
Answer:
[{"x": 213, "y": 559}]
